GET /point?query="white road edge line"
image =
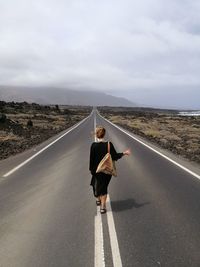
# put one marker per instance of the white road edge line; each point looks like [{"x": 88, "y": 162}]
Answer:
[
  {"x": 159, "y": 153},
  {"x": 43, "y": 149},
  {"x": 117, "y": 262},
  {"x": 99, "y": 257}
]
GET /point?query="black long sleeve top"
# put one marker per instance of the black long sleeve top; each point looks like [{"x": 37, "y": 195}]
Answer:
[{"x": 98, "y": 151}]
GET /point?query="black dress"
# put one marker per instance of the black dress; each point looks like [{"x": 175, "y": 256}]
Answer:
[{"x": 100, "y": 181}]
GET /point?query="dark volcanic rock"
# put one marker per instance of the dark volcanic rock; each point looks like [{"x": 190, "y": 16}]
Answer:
[{"x": 24, "y": 125}]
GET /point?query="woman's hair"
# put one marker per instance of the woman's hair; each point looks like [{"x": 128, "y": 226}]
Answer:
[{"x": 100, "y": 132}]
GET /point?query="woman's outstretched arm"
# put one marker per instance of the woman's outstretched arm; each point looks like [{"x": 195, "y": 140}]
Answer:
[{"x": 115, "y": 155}]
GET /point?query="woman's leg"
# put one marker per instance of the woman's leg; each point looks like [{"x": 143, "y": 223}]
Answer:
[
  {"x": 105, "y": 191},
  {"x": 103, "y": 201},
  {"x": 98, "y": 201}
]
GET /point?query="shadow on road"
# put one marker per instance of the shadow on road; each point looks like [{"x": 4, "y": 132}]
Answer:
[{"x": 126, "y": 204}]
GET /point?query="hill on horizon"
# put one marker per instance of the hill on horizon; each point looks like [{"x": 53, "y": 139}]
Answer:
[{"x": 50, "y": 95}]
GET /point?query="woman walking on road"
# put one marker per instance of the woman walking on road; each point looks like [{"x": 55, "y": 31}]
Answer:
[{"x": 100, "y": 181}]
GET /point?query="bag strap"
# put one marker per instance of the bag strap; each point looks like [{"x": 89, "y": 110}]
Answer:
[{"x": 109, "y": 147}]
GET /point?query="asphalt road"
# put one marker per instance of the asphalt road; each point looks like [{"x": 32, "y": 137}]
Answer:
[{"x": 47, "y": 210}]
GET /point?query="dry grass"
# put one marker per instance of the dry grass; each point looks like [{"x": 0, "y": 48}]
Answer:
[
  {"x": 15, "y": 133},
  {"x": 4, "y": 136},
  {"x": 176, "y": 133}
]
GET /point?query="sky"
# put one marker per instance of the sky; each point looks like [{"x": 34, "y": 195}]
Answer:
[{"x": 147, "y": 51}]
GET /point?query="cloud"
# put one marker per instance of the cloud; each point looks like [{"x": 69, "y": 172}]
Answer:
[{"x": 104, "y": 45}]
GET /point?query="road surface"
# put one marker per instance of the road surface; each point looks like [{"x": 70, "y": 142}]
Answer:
[{"x": 48, "y": 215}]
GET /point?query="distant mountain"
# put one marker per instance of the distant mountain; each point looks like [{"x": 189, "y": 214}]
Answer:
[{"x": 47, "y": 95}]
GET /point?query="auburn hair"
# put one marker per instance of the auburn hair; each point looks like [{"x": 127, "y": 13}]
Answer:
[{"x": 100, "y": 132}]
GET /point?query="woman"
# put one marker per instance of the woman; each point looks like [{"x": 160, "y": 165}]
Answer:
[{"x": 100, "y": 181}]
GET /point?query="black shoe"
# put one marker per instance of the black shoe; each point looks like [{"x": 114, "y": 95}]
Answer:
[
  {"x": 102, "y": 210},
  {"x": 98, "y": 202}
]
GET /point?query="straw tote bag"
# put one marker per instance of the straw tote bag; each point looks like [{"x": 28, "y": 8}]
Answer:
[{"x": 107, "y": 165}]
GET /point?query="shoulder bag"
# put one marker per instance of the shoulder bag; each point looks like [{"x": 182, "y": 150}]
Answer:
[{"x": 107, "y": 165}]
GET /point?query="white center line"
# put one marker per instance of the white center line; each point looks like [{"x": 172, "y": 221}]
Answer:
[
  {"x": 99, "y": 242},
  {"x": 99, "y": 258},
  {"x": 117, "y": 262},
  {"x": 95, "y": 125}
]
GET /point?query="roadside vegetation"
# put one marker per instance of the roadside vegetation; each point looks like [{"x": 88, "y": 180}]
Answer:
[
  {"x": 24, "y": 125},
  {"x": 179, "y": 134}
]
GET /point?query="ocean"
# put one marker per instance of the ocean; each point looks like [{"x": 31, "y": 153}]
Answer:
[{"x": 189, "y": 113}]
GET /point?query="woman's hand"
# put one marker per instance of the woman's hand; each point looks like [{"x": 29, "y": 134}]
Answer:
[{"x": 127, "y": 152}]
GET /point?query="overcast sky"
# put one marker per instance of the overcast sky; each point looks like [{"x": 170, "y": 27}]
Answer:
[{"x": 147, "y": 50}]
